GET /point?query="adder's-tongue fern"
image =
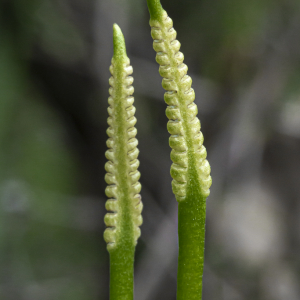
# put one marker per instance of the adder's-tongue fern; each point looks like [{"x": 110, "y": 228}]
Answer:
[
  {"x": 124, "y": 204},
  {"x": 190, "y": 169}
]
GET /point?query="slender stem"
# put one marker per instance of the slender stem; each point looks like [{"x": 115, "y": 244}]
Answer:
[
  {"x": 121, "y": 272},
  {"x": 124, "y": 206},
  {"x": 191, "y": 232},
  {"x": 155, "y": 9}
]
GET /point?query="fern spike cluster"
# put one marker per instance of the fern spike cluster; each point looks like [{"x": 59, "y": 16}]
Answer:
[
  {"x": 124, "y": 204},
  {"x": 190, "y": 169}
]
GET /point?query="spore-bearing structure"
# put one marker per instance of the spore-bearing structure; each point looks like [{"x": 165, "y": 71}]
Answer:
[
  {"x": 186, "y": 139},
  {"x": 124, "y": 204}
]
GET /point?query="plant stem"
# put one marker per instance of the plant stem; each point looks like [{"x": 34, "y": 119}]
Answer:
[
  {"x": 121, "y": 272},
  {"x": 124, "y": 206},
  {"x": 191, "y": 233}
]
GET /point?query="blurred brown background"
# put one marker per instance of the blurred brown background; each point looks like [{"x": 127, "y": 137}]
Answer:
[{"x": 244, "y": 58}]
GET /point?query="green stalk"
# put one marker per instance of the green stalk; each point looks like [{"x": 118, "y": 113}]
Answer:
[
  {"x": 190, "y": 169},
  {"x": 124, "y": 206}
]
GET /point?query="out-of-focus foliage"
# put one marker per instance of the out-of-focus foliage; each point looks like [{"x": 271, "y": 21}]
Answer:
[{"x": 244, "y": 57}]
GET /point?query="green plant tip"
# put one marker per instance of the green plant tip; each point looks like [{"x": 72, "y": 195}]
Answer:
[
  {"x": 119, "y": 43},
  {"x": 155, "y": 9}
]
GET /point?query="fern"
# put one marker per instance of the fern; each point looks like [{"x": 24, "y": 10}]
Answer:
[
  {"x": 190, "y": 169},
  {"x": 124, "y": 204}
]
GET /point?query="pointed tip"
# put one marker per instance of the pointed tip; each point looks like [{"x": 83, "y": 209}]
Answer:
[
  {"x": 155, "y": 9},
  {"x": 117, "y": 30},
  {"x": 119, "y": 42}
]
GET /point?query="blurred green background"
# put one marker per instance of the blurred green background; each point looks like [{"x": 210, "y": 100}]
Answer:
[{"x": 244, "y": 58}]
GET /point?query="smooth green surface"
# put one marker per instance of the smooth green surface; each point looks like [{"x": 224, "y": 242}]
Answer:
[
  {"x": 121, "y": 272},
  {"x": 120, "y": 54},
  {"x": 191, "y": 233},
  {"x": 155, "y": 9}
]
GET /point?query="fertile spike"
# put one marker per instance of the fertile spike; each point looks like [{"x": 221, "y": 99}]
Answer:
[
  {"x": 190, "y": 169},
  {"x": 186, "y": 138},
  {"x": 124, "y": 206}
]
